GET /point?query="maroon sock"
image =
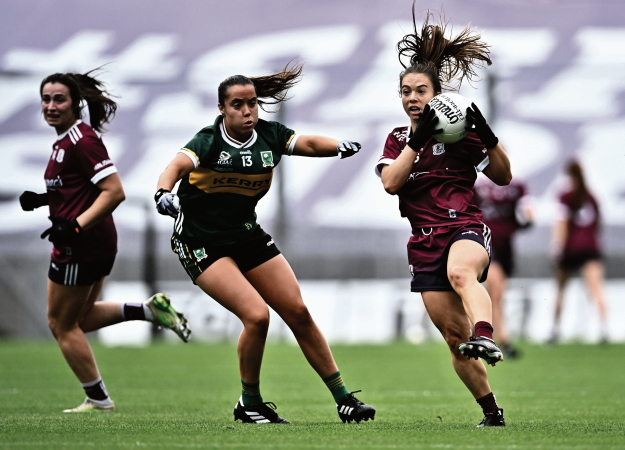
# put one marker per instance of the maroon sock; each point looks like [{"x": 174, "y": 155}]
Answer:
[
  {"x": 484, "y": 329},
  {"x": 488, "y": 403}
]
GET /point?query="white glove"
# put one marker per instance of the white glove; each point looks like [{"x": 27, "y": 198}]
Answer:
[
  {"x": 167, "y": 204},
  {"x": 345, "y": 149}
]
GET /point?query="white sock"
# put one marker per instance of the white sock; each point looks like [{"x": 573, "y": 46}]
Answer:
[{"x": 149, "y": 315}]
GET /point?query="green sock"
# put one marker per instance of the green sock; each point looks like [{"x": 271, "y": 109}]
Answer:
[
  {"x": 250, "y": 393},
  {"x": 337, "y": 386}
]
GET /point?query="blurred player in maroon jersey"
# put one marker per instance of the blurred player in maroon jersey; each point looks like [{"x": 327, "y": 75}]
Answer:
[
  {"x": 449, "y": 251},
  {"x": 575, "y": 246},
  {"x": 505, "y": 209},
  {"x": 83, "y": 189}
]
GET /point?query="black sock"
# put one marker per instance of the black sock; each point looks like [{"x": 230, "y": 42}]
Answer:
[
  {"x": 488, "y": 403},
  {"x": 96, "y": 390},
  {"x": 134, "y": 311}
]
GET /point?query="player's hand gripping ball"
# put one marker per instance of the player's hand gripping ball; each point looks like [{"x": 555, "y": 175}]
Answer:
[
  {"x": 345, "y": 149},
  {"x": 450, "y": 108},
  {"x": 167, "y": 204}
]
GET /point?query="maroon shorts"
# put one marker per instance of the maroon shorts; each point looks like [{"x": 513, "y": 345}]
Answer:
[{"x": 428, "y": 252}]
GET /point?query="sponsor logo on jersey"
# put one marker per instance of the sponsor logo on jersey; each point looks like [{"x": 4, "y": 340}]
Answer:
[
  {"x": 225, "y": 159},
  {"x": 211, "y": 182},
  {"x": 401, "y": 136},
  {"x": 267, "y": 158},
  {"x": 453, "y": 213},
  {"x": 54, "y": 182},
  {"x": 245, "y": 152},
  {"x": 200, "y": 254},
  {"x": 414, "y": 175},
  {"x": 101, "y": 164},
  {"x": 248, "y": 226},
  {"x": 270, "y": 242},
  {"x": 438, "y": 149}
]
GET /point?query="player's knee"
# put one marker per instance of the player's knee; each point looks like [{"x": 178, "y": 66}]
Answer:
[
  {"x": 299, "y": 318},
  {"x": 453, "y": 338},
  {"x": 257, "y": 321},
  {"x": 57, "y": 327},
  {"x": 459, "y": 277}
]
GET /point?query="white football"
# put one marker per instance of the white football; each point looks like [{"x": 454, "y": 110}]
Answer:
[{"x": 451, "y": 110}]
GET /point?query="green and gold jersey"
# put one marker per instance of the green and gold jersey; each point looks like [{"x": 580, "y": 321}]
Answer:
[{"x": 218, "y": 198}]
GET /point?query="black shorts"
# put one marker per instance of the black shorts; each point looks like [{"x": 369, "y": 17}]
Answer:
[
  {"x": 79, "y": 274},
  {"x": 503, "y": 255},
  {"x": 571, "y": 262},
  {"x": 253, "y": 251},
  {"x": 428, "y": 254}
]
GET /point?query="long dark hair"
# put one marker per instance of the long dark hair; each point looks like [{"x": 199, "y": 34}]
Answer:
[
  {"x": 270, "y": 89},
  {"x": 84, "y": 86},
  {"x": 580, "y": 191},
  {"x": 442, "y": 60}
]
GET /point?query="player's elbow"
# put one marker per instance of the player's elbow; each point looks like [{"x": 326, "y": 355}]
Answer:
[{"x": 390, "y": 186}]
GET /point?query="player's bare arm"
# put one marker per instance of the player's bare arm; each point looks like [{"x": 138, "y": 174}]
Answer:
[
  {"x": 180, "y": 166},
  {"x": 498, "y": 169},
  {"x": 394, "y": 175},
  {"x": 315, "y": 146},
  {"x": 111, "y": 195}
]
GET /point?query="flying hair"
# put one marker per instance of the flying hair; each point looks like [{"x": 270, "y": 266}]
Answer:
[
  {"x": 449, "y": 60},
  {"x": 270, "y": 89}
]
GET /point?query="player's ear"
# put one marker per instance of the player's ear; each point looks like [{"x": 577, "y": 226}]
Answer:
[{"x": 221, "y": 109}]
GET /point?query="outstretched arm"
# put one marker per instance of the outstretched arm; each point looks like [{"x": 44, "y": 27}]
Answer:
[{"x": 321, "y": 146}]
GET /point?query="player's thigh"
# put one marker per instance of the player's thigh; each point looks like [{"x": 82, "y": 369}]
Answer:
[
  {"x": 467, "y": 256},
  {"x": 447, "y": 313},
  {"x": 592, "y": 271},
  {"x": 277, "y": 284},
  {"x": 224, "y": 282},
  {"x": 65, "y": 304}
]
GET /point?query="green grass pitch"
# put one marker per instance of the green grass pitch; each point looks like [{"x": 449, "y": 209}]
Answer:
[{"x": 181, "y": 396}]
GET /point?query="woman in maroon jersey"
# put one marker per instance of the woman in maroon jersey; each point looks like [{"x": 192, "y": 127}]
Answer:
[
  {"x": 83, "y": 189},
  {"x": 449, "y": 251},
  {"x": 575, "y": 245}
]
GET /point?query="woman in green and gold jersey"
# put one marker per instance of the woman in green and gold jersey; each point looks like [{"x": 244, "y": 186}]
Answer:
[{"x": 223, "y": 172}]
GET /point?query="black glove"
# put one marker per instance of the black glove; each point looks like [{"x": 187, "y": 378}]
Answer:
[
  {"x": 62, "y": 231},
  {"x": 30, "y": 200},
  {"x": 477, "y": 123},
  {"x": 345, "y": 149},
  {"x": 425, "y": 129},
  {"x": 167, "y": 204}
]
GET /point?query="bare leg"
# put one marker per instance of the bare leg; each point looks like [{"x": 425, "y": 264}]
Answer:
[
  {"x": 276, "y": 283},
  {"x": 100, "y": 315},
  {"x": 66, "y": 306},
  {"x": 562, "y": 276},
  {"x": 592, "y": 272},
  {"x": 496, "y": 286},
  {"x": 447, "y": 313},
  {"x": 465, "y": 264},
  {"x": 224, "y": 282}
]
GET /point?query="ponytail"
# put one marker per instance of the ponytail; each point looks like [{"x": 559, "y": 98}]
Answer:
[
  {"x": 445, "y": 61},
  {"x": 270, "y": 89}
]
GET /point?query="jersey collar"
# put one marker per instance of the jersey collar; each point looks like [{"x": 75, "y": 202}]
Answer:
[
  {"x": 62, "y": 135},
  {"x": 233, "y": 142}
]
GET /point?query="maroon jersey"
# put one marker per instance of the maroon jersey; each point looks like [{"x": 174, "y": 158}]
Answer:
[
  {"x": 499, "y": 206},
  {"x": 438, "y": 191},
  {"x": 582, "y": 225},
  {"x": 79, "y": 160}
]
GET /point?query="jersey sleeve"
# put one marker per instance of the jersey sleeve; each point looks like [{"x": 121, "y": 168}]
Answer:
[
  {"x": 286, "y": 138},
  {"x": 390, "y": 153},
  {"x": 93, "y": 159},
  {"x": 198, "y": 148},
  {"x": 476, "y": 151}
]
